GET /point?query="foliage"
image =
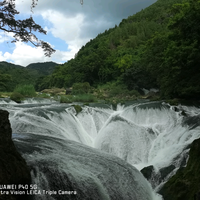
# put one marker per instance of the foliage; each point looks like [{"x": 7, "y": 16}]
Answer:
[
  {"x": 65, "y": 99},
  {"x": 77, "y": 98},
  {"x": 77, "y": 108},
  {"x": 17, "y": 97},
  {"x": 173, "y": 56},
  {"x": 44, "y": 95},
  {"x": 4, "y": 79},
  {"x": 84, "y": 98},
  {"x": 158, "y": 47},
  {"x": 81, "y": 88},
  {"x": 184, "y": 185},
  {"x": 182, "y": 55},
  {"x": 22, "y": 29},
  {"x": 25, "y": 90},
  {"x": 12, "y": 75},
  {"x": 43, "y": 82},
  {"x": 44, "y": 68},
  {"x": 115, "y": 89},
  {"x": 5, "y": 94}
]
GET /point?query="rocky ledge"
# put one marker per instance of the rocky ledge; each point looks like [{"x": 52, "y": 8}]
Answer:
[{"x": 13, "y": 168}]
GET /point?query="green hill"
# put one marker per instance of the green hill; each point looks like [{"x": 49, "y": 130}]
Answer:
[
  {"x": 4, "y": 66},
  {"x": 44, "y": 68},
  {"x": 12, "y": 75},
  {"x": 153, "y": 48}
]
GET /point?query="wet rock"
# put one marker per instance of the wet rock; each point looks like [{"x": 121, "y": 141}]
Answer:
[
  {"x": 166, "y": 171},
  {"x": 192, "y": 121},
  {"x": 147, "y": 172},
  {"x": 13, "y": 168},
  {"x": 68, "y": 91}
]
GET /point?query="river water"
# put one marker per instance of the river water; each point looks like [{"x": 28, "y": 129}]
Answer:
[{"x": 98, "y": 153}]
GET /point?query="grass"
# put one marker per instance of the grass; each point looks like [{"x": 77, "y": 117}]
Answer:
[
  {"x": 77, "y": 98},
  {"x": 44, "y": 95},
  {"x": 54, "y": 91},
  {"x": 115, "y": 89},
  {"x": 5, "y": 94},
  {"x": 65, "y": 99}
]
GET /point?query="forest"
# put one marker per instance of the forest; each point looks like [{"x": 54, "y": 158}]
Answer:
[
  {"x": 158, "y": 47},
  {"x": 12, "y": 75}
]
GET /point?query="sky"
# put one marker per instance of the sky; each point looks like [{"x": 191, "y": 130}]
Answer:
[{"x": 69, "y": 26}]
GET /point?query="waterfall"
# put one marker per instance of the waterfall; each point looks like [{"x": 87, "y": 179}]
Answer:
[{"x": 98, "y": 152}]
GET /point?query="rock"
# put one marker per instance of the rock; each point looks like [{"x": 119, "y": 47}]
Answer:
[
  {"x": 54, "y": 91},
  {"x": 151, "y": 175},
  {"x": 13, "y": 168},
  {"x": 184, "y": 185},
  {"x": 147, "y": 172},
  {"x": 191, "y": 121},
  {"x": 68, "y": 91},
  {"x": 166, "y": 171}
]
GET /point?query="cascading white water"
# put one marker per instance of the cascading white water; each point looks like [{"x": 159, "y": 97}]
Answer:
[{"x": 141, "y": 134}]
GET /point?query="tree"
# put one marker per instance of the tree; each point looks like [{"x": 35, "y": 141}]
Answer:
[
  {"x": 4, "y": 79},
  {"x": 182, "y": 55},
  {"x": 22, "y": 29}
]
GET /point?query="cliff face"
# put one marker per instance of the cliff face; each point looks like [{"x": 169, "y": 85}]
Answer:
[
  {"x": 13, "y": 168},
  {"x": 185, "y": 184}
]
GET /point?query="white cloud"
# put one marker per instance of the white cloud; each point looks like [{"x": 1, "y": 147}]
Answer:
[
  {"x": 70, "y": 22},
  {"x": 67, "y": 28},
  {"x": 5, "y": 37},
  {"x": 24, "y": 54}
]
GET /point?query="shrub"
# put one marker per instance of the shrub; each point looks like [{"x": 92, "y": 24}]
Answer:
[
  {"x": 77, "y": 108},
  {"x": 44, "y": 95},
  {"x": 77, "y": 98},
  {"x": 81, "y": 88},
  {"x": 133, "y": 93},
  {"x": 17, "y": 97},
  {"x": 84, "y": 98},
  {"x": 65, "y": 99},
  {"x": 25, "y": 90},
  {"x": 115, "y": 89}
]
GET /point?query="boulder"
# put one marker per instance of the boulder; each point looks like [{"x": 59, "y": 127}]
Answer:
[
  {"x": 68, "y": 91},
  {"x": 148, "y": 172},
  {"x": 13, "y": 168}
]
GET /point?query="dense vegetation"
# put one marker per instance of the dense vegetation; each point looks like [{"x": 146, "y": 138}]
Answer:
[
  {"x": 43, "y": 68},
  {"x": 157, "y": 47},
  {"x": 12, "y": 75},
  {"x": 184, "y": 185}
]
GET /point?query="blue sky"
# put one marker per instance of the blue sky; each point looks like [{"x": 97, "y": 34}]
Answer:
[{"x": 69, "y": 26}]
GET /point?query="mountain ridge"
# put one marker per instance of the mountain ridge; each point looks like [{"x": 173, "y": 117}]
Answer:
[{"x": 12, "y": 75}]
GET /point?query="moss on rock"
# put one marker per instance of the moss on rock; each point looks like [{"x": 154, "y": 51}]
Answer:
[
  {"x": 17, "y": 97},
  {"x": 77, "y": 108},
  {"x": 185, "y": 184}
]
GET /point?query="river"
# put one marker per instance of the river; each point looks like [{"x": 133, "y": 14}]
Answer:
[{"x": 99, "y": 152}]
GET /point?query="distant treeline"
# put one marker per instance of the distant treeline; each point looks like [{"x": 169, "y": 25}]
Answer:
[{"x": 12, "y": 75}]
